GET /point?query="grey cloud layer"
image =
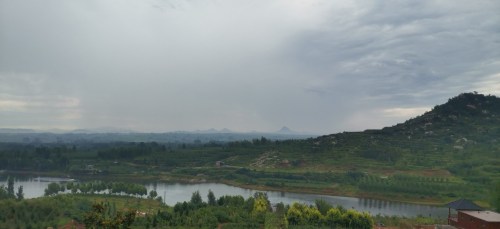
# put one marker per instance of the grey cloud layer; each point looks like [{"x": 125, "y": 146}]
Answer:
[{"x": 319, "y": 66}]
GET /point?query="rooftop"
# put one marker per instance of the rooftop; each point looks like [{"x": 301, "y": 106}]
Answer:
[
  {"x": 487, "y": 216},
  {"x": 464, "y": 204}
]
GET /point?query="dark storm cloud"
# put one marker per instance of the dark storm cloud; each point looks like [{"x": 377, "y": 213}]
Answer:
[
  {"x": 403, "y": 54},
  {"x": 319, "y": 66}
]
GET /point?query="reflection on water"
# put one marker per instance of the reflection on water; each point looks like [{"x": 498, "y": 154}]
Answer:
[
  {"x": 372, "y": 205},
  {"x": 173, "y": 193}
]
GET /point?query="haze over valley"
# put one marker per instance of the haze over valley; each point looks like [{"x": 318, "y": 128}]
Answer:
[{"x": 249, "y": 114}]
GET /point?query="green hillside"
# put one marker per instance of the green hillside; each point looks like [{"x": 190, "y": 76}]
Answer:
[
  {"x": 460, "y": 137},
  {"x": 452, "y": 150}
]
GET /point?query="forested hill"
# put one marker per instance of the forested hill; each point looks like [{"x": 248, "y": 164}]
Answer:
[
  {"x": 452, "y": 150},
  {"x": 465, "y": 119},
  {"x": 461, "y": 136},
  {"x": 466, "y": 122},
  {"x": 469, "y": 114}
]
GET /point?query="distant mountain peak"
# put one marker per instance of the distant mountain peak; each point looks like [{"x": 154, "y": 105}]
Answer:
[{"x": 285, "y": 130}]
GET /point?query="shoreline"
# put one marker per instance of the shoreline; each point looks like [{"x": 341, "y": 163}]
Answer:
[{"x": 196, "y": 180}]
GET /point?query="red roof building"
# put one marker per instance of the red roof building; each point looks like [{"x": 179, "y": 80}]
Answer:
[
  {"x": 470, "y": 216},
  {"x": 478, "y": 219}
]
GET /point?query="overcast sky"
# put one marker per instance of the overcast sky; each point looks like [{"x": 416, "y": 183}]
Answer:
[{"x": 311, "y": 65}]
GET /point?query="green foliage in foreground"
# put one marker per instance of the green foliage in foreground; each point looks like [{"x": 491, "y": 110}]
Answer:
[
  {"x": 42, "y": 212},
  {"x": 8, "y": 192},
  {"x": 104, "y": 216},
  {"x": 300, "y": 214},
  {"x": 108, "y": 211}
]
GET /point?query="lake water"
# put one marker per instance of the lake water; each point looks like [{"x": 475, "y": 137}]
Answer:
[{"x": 173, "y": 193}]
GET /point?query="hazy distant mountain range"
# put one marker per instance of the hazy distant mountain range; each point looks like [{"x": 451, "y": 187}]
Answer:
[
  {"x": 112, "y": 134},
  {"x": 283, "y": 130},
  {"x": 467, "y": 116}
]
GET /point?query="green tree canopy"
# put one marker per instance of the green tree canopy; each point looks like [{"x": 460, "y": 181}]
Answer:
[
  {"x": 20, "y": 194},
  {"x": 211, "y": 198},
  {"x": 10, "y": 187},
  {"x": 52, "y": 189},
  {"x": 196, "y": 199}
]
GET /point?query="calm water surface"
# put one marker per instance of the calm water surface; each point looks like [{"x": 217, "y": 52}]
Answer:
[{"x": 173, "y": 193}]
